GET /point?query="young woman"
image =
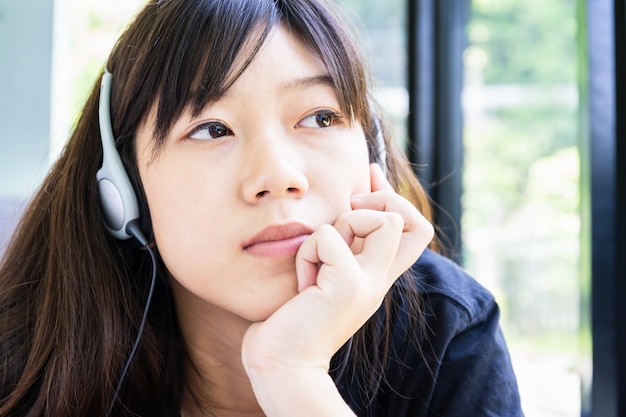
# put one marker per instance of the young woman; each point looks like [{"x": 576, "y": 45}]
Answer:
[{"x": 277, "y": 262}]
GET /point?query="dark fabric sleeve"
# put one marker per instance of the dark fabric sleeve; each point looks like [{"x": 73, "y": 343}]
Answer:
[
  {"x": 456, "y": 365},
  {"x": 463, "y": 369},
  {"x": 475, "y": 376}
]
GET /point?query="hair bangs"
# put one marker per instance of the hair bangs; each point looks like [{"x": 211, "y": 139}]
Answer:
[
  {"x": 324, "y": 34},
  {"x": 214, "y": 46},
  {"x": 169, "y": 71}
]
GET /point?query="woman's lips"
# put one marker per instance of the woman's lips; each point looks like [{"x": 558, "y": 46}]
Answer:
[
  {"x": 277, "y": 248},
  {"x": 278, "y": 241}
]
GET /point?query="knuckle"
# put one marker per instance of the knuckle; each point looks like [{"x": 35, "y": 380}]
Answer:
[
  {"x": 325, "y": 231},
  {"x": 343, "y": 218},
  {"x": 426, "y": 230},
  {"x": 430, "y": 230},
  {"x": 394, "y": 220}
]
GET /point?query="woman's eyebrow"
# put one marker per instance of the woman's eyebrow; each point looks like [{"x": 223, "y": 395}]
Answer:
[
  {"x": 301, "y": 83},
  {"x": 304, "y": 83}
]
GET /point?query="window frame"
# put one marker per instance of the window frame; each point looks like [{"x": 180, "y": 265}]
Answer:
[
  {"x": 606, "y": 37},
  {"x": 435, "y": 41},
  {"x": 435, "y": 44}
]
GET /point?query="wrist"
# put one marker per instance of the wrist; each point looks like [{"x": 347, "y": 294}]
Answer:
[{"x": 297, "y": 391}]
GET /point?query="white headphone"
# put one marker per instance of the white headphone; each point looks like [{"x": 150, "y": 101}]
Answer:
[{"x": 117, "y": 196}]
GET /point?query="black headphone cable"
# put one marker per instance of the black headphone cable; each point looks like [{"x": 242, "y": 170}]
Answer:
[{"x": 134, "y": 230}]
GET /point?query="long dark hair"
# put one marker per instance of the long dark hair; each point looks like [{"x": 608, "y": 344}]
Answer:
[{"x": 71, "y": 296}]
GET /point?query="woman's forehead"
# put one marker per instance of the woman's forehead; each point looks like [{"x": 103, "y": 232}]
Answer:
[{"x": 204, "y": 73}]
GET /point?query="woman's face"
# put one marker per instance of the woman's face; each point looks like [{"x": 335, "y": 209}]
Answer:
[{"x": 235, "y": 191}]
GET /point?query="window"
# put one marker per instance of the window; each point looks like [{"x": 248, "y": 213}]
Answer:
[
  {"x": 520, "y": 221},
  {"x": 382, "y": 25},
  {"x": 521, "y": 202},
  {"x": 72, "y": 40},
  {"x": 24, "y": 109}
]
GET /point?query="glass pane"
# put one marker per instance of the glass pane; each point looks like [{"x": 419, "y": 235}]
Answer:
[
  {"x": 24, "y": 104},
  {"x": 521, "y": 222},
  {"x": 382, "y": 28},
  {"x": 83, "y": 32}
]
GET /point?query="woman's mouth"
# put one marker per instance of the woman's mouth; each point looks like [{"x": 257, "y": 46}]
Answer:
[{"x": 278, "y": 241}]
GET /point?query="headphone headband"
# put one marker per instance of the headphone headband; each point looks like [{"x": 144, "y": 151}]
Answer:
[{"x": 117, "y": 197}]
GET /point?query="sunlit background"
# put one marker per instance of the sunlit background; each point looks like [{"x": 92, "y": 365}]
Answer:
[
  {"x": 521, "y": 224},
  {"x": 522, "y": 218}
]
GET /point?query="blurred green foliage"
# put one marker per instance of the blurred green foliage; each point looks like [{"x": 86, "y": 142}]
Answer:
[
  {"x": 521, "y": 177},
  {"x": 529, "y": 42}
]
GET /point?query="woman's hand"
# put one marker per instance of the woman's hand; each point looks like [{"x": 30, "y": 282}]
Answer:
[{"x": 343, "y": 272}]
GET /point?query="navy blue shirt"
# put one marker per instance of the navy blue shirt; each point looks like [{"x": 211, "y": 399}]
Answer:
[{"x": 461, "y": 365}]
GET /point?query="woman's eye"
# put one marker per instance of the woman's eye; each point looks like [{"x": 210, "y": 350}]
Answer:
[
  {"x": 210, "y": 130},
  {"x": 322, "y": 118}
]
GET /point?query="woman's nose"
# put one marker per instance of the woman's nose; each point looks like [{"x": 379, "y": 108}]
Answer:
[{"x": 273, "y": 168}]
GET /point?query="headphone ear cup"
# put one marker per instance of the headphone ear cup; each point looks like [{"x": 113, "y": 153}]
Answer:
[{"x": 117, "y": 196}]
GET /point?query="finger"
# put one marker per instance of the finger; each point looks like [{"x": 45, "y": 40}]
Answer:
[
  {"x": 388, "y": 201},
  {"x": 356, "y": 283},
  {"x": 417, "y": 231},
  {"x": 378, "y": 179},
  {"x": 324, "y": 246},
  {"x": 326, "y": 261},
  {"x": 384, "y": 198},
  {"x": 378, "y": 234}
]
